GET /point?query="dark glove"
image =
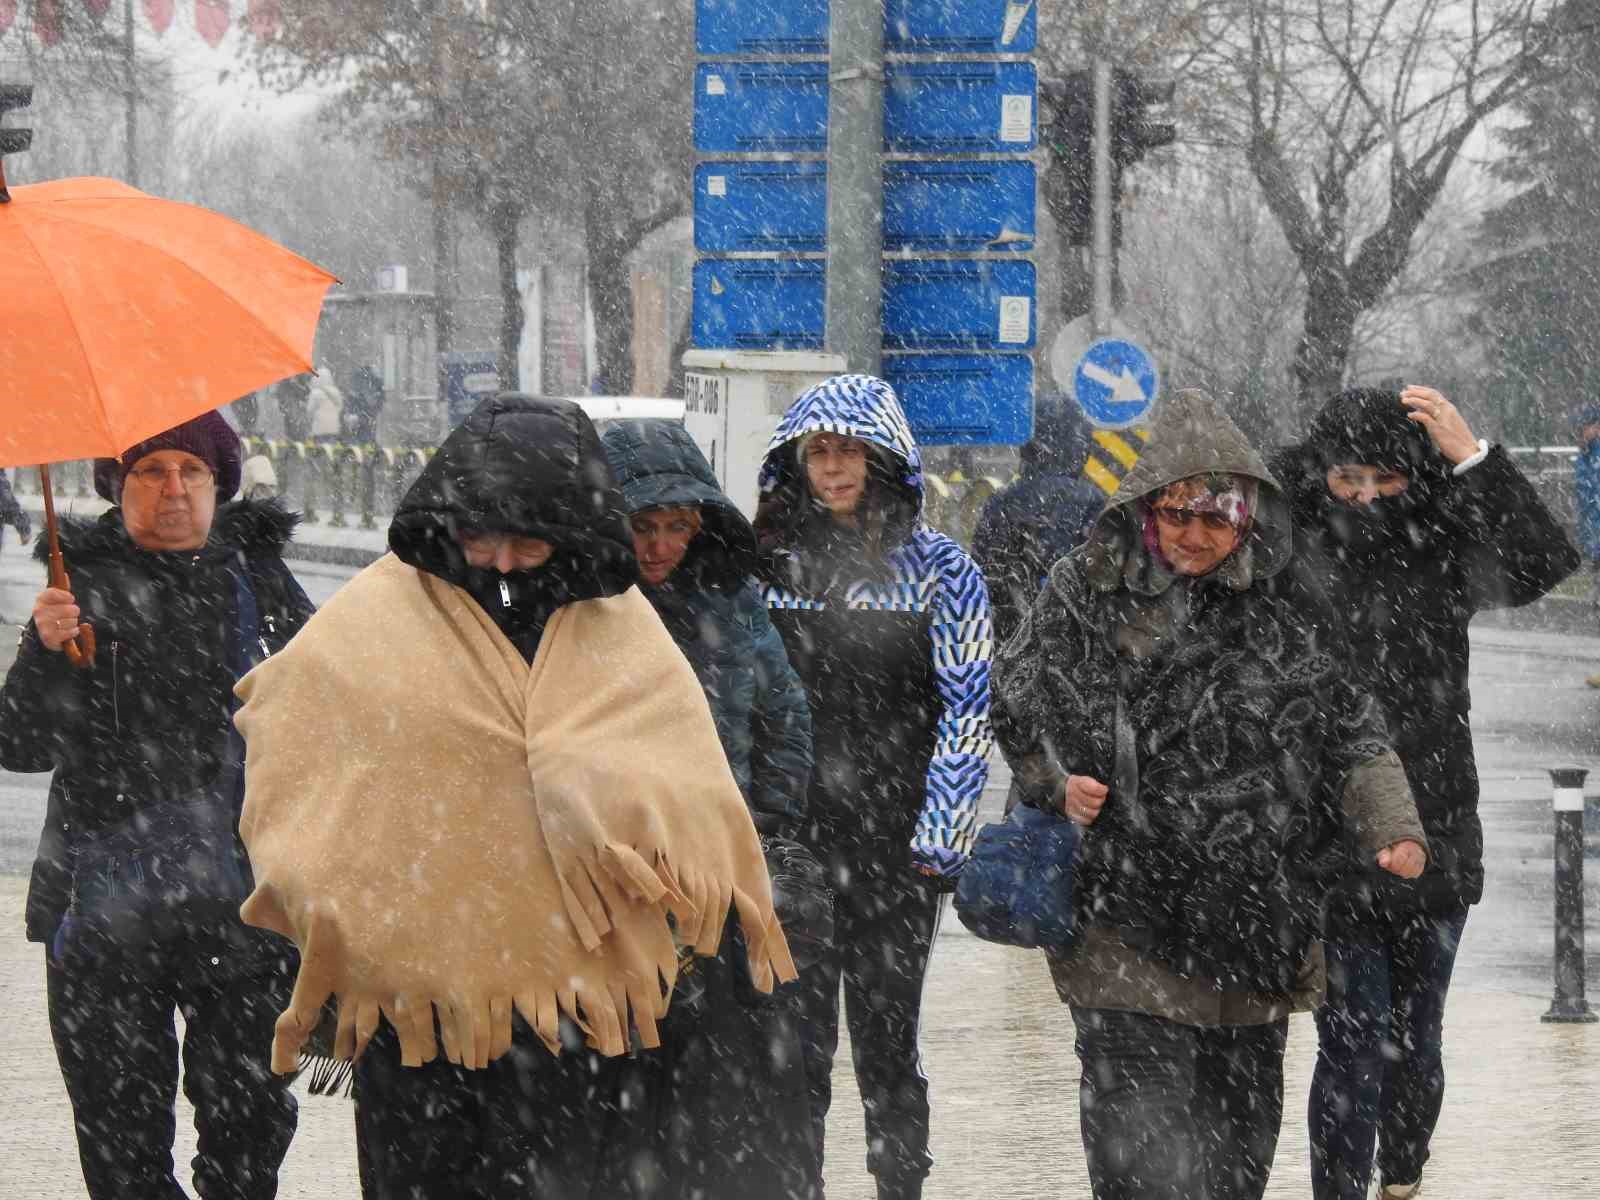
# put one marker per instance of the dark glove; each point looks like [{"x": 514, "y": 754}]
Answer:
[
  {"x": 802, "y": 899},
  {"x": 940, "y": 865}
]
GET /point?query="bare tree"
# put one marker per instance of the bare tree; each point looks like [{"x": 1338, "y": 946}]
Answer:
[
  {"x": 576, "y": 109},
  {"x": 1352, "y": 115},
  {"x": 619, "y": 81}
]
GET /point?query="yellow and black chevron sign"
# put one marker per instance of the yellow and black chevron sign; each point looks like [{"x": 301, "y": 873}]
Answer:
[{"x": 1112, "y": 454}]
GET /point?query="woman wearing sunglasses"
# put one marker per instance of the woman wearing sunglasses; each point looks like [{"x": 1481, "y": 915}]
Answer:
[{"x": 1174, "y": 693}]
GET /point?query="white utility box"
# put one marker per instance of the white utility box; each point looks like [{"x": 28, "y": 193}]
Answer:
[{"x": 732, "y": 402}]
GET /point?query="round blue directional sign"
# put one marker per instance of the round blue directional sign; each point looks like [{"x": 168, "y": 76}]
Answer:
[{"x": 1116, "y": 383}]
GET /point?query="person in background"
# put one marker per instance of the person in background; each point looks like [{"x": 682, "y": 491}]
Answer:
[
  {"x": 363, "y": 404},
  {"x": 294, "y": 403},
  {"x": 1039, "y": 517},
  {"x": 1586, "y": 486},
  {"x": 259, "y": 481},
  {"x": 887, "y": 623},
  {"x": 725, "y": 1098},
  {"x": 1175, "y": 694},
  {"x": 246, "y": 412},
  {"x": 139, "y": 876},
  {"x": 325, "y": 405},
  {"x": 1406, "y": 525}
]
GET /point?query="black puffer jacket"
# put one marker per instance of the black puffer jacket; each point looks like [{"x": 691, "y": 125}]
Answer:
[
  {"x": 531, "y": 467},
  {"x": 711, "y": 607},
  {"x": 1040, "y": 517},
  {"x": 1408, "y": 576},
  {"x": 149, "y": 721}
]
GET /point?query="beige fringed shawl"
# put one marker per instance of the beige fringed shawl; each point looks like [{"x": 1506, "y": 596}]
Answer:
[{"x": 439, "y": 826}]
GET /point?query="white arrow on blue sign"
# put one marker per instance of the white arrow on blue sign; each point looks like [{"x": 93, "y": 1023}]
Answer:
[{"x": 1116, "y": 383}]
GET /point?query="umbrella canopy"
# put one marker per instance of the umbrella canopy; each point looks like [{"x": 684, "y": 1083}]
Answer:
[{"x": 122, "y": 314}]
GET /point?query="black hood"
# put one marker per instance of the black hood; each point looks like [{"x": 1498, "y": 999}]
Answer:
[
  {"x": 658, "y": 465},
  {"x": 1370, "y": 425},
  {"x": 1060, "y": 442},
  {"x": 528, "y": 466},
  {"x": 1367, "y": 426}
]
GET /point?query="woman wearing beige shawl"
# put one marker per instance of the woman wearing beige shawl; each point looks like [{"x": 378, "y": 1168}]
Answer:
[{"x": 478, "y": 785}]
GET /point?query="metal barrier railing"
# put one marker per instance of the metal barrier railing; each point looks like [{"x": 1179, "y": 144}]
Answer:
[{"x": 330, "y": 483}]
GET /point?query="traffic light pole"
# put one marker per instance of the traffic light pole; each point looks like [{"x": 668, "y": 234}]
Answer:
[
  {"x": 1101, "y": 249},
  {"x": 854, "y": 319}
]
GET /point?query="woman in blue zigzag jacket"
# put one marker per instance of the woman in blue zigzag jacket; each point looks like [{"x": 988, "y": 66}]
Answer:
[{"x": 887, "y": 623}]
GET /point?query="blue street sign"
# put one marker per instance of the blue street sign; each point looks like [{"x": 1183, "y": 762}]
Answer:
[
  {"x": 1116, "y": 383},
  {"x": 928, "y": 108},
  {"x": 745, "y": 108},
  {"x": 958, "y": 304},
  {"x": 760, "y": 207},
  {"x": 782, "y": 207},
  {"x": 949, "y": 206},
  {"x": 965, "y": 399},
  {"x": 921, "y": 26},
  {"x": 759, "y": 304},
  {"x": 776, "y": 304},
  {"x": 960, "y": 107}
]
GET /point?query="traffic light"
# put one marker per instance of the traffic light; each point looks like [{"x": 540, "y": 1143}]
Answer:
[
  {"x": 13, "y": 141},
  {"x": 1132, "y": 131},
  {"x": 1069, "y": 177}
]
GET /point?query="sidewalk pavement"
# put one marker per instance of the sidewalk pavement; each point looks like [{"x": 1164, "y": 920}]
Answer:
[{"x": 1519, "y": 1119}]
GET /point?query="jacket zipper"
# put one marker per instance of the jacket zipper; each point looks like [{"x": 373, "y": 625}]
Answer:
[
  {"x": 505, "y": 595},
  {"x": 116, "y": 705},
  {"x": 272, "y": 628}
]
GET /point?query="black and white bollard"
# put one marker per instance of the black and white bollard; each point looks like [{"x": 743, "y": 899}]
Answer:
[{"x": 1569, "y": 1004}]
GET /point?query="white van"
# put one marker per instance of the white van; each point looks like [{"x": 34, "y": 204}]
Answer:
[{"x": 629, "y": 408}]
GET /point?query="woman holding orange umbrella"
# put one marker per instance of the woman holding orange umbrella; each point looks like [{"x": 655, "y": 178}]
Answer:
[{"x": 140, "y": 874}]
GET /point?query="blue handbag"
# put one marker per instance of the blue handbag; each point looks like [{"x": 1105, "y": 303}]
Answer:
[{"x": 1016, "y": 889}]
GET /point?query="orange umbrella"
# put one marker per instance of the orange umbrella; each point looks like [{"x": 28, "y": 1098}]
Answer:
[{"x": 122, "y": 315}]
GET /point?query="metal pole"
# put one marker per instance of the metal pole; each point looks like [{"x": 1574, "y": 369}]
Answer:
[
  {"x": 855, "y": 184},
  {"x": 1100, "y": 310},
  {"x": 131, "y": 101},
  {"x": 1569, "y": 1005}
]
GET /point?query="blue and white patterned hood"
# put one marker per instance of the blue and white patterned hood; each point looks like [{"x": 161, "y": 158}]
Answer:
[{"x": 858, "y": 406}]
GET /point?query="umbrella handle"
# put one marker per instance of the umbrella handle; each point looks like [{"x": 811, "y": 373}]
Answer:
[{"x": 80, "y": 650}]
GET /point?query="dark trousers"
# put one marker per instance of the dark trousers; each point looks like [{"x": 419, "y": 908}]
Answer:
[
  {"x": 117, "y": 1043},
  {"x": 1379, "y": 1080},
  {"x": 885, "y": 919},
  {"x": 1178, "y": 1112},
  {"x": 721, "y": 1110},
  {"x": 531, "y": 1125}
]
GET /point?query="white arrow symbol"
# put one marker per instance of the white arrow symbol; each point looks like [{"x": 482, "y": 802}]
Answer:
[{"x": 1125, "y": 388}]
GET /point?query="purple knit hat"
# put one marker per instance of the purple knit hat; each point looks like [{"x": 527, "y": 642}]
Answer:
[{"x": 208, "y": 437}]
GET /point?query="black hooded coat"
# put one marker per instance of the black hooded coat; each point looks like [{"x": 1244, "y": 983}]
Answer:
[
  {"x": 531, "y": 1122},
  {"x": 1408, "y": 576},
  {"x": 1038, "y": 518},
  {"x": 727, "y": 1115},
  {"x": 711, "y": 607},
  {"x": 150, "y": 720}
]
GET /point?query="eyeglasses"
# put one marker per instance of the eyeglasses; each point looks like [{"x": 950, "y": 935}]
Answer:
[
  {"x": 191, "y": 474},
  {"x": 1177, "y": 518}
]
